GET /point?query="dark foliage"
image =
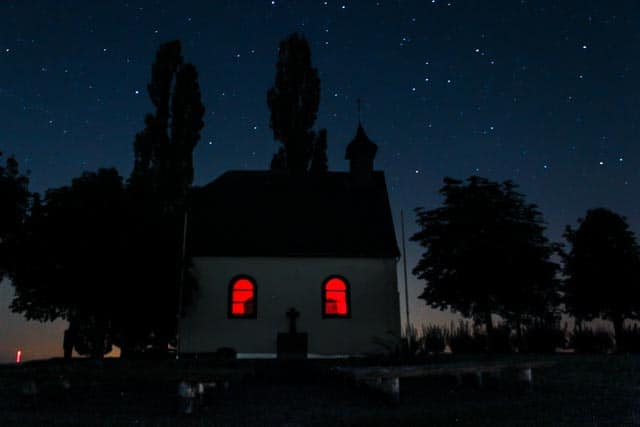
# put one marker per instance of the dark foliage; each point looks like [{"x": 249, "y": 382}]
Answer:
[
  {"x": 319, "y": 162},
  {"x": 279, "y": 160},
  {"x": 433, "y": 339},
  {"x": 164, "y": 149},
  {"x": 602, "y": 270},
  {"x": 417, "y": 344},
  {"x": 500, "y": 339},
  {"x": 409, "y": 349},
  {"x": 294, "y": 101},
  {"x": 591, "y": 340},
  {"x": 90, "y": 335},
  {"x": 485, "y": 253},
  {"x": 463, "y": 338},
  {"x": 629, "y": 340},
  {"x": 73, "y": 257},
  {"x": 540, "y": 337},
  {"x": 109, "y": 258},
  {"x": 14, "y": 204},
  {"x": 187, "y": 113},
  {"x": 159, "y": 188}
]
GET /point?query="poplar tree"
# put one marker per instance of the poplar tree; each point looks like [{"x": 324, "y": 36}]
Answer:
[
  {"x": 319, "y": 160},
  {"x": 160, "y": 183},
  {"x": 293, "y": 101},
  {"x": 163, "y": 151}
]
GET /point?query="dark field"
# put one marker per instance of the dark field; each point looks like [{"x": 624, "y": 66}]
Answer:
[{"x": 575, "y": 390}]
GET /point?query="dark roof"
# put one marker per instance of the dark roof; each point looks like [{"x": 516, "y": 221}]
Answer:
[{"x": 264, "y": 213}]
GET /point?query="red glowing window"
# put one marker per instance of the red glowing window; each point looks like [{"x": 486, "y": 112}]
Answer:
[
  {"x": 242, "y": 298},
  {"x": 335, "y": 297}
]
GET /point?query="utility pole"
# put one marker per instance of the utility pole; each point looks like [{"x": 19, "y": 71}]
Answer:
[
  {"x": 181, "y": 282},
  {"x": 406, "y": 286}
]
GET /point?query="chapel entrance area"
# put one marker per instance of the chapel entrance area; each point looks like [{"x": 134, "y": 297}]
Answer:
[{"x": 292, "y": 344}]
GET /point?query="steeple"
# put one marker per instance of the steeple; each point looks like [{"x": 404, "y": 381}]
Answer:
[{"x": 360, "y": 153}]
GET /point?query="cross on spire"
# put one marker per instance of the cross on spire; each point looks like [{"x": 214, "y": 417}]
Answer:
[{"x": 359, "y": 101}]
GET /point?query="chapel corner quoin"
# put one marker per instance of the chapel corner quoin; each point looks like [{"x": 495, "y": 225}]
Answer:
[{"x": 310, "y": 257}]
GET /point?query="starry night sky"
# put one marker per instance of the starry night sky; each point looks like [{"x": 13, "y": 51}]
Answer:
[{"x": 546, "y": 93}]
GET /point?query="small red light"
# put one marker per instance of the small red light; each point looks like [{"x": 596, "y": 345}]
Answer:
[{"x": 18, "y": 356}]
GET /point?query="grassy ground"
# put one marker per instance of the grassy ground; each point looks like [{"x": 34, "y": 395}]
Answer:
[{"x": 577, "y": 390}]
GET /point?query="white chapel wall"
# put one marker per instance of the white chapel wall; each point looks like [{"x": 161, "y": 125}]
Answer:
[{"x": 283, "y": 283}]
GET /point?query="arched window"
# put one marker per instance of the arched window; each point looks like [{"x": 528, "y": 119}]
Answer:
[
  {"x": 242, "y": 298},
  {"x": 335, "y": 298}
]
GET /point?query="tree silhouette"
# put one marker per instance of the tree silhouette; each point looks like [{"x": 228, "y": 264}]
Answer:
[
  {"x": 106, "y": 257},
  {"x": 13, "y": 210},
  {"x": 163, "y": 151},
  {"x": 159, "y": 187},
  {"x": 279, "y": 161},
  {"x": 319, "y": 162},
  {"x": 90, "y": 336},
  {"x": 485, "y": 253},
  {"x": 73, "y": 258},
  {"x": 602, "y": 270},
  {"x": 187, "y": 112},
  {"x": 294, "y": 101}
]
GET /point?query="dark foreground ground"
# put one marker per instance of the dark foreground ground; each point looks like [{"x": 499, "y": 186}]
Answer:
[{"x": 575, "y": 390}]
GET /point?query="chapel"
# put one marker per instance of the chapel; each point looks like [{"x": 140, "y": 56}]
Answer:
[{"x": 294, "y": 265}]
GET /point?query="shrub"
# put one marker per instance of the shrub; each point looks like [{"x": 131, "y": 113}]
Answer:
[
  {"x": 629, "y": 342},
  {"x": 464, "y": 339},
  {"x": 433, "y": 339},
  {"x": 406, "y": 348},
  {"x": 501, "y": 338},
  {"x": 591, "y": 340},
  {"x": 541, "y": 338},
  {"x": 411, "y": 340}
]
